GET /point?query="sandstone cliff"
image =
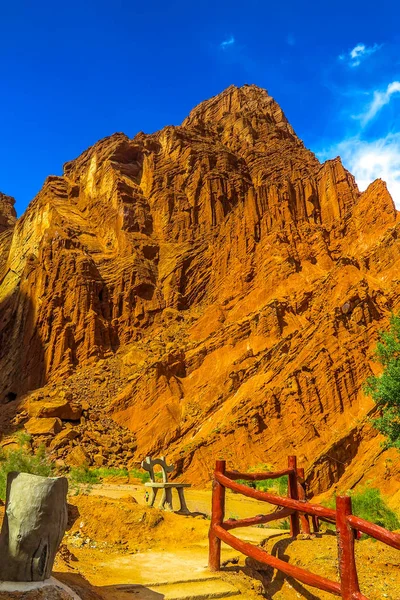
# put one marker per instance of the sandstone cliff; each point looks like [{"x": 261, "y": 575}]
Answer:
[{"x": 207, "y": 290}]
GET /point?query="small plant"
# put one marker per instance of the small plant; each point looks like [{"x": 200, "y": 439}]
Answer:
[
  {"x": 284, "y": 524},
  {"x": 23, "y": 460}
]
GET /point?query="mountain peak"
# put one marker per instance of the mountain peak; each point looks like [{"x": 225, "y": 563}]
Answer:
[{"x": 246, "y": 101}]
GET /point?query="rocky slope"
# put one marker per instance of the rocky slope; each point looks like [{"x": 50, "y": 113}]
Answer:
[{"x": 207, "y": 290}]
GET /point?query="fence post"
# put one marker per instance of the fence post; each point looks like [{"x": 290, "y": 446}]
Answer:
[
  {"x": 293, "y": 494},
  {"x": 347, "y": 564},
  {"x": 217, "y": 518},
  {"x": 315, "y": 523},
  {"x": 301, "y": 490}
]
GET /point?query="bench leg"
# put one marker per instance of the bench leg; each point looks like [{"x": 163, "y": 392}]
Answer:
[
  {"x": 166, "y": 500},
  {"x": 183, "y": 507},
  {"x": 152, "y": 496}
]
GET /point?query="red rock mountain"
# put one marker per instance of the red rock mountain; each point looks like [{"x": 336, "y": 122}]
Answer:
[{"x": 208, "y": 290}]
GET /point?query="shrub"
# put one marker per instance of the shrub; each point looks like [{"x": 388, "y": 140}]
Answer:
[
  {"x": 279, "y": 485},
  {"x": 369, "y": 505},
  {"x": 104, "y": 472},
  {"x": 83, "y": 474},
  {"x": 143, "y": 476},
  {"x": 91, "y": 475},
  {"x": 385, "y": 389},
  {"x": 23, "y": 460}
]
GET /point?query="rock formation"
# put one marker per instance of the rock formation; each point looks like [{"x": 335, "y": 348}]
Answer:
[{"x": 208, "y": 290}]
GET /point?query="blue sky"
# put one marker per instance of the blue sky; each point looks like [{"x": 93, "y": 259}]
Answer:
[{"x": 72, "y": 73}]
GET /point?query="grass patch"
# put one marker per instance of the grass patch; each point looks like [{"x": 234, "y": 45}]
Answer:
[
  {"x": 283, "y": 524},
  {"x": 23, "y": 460},
  {"x": 368, "y": 504},
  {"x": 104, "y": 472},
  {"x": 92, "y": 475},
  {"x": 279, "y": 485},
  {"x": 83, "y": 474},
  {"x": 143, "y": 476}
]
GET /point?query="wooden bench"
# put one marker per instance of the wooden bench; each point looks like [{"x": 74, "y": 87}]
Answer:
[{"x": 166, "y": 501}]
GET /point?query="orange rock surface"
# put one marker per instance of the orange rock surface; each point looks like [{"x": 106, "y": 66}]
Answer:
[{"x": 208, "y": 290}]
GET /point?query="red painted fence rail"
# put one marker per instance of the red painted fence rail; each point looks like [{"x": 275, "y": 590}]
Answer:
[{"x": 296, "y": 507}]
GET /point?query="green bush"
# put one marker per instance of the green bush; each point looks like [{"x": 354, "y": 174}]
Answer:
[
  {"x": 279, "y": 485},
  {"x": 143, "y": 476},
  {"x": 369, "y": 505},
  {"x": 92, "y": 475},
  {"x": 83, "y": 474},
  {"x": 385, "y": 389},
  {"x": 104, "y": 472},
  {"x": 23, "y": 460}
]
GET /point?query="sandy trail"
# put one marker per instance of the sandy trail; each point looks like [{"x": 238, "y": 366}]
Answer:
[
  {"x": 181, "y": 556},
  {"x": 198, "y": 501}
]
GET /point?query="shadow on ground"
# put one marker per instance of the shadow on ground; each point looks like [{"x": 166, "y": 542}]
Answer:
[
  {"x": 272, "y": 580},
  {"x": 86, "y": 591}
]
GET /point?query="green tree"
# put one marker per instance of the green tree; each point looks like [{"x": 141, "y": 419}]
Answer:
[{"x": 385, "y": 388}]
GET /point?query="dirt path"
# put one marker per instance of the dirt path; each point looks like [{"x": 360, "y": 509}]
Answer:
[
  {"x": 147, "y": 559},
  {"x": 198, "y": 501},
  {"x": 125, "y": 552},
  {"x": 169, "y": 559}
]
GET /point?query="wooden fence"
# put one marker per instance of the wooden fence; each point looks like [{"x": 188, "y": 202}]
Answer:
[{"x": 296, "y": 507}]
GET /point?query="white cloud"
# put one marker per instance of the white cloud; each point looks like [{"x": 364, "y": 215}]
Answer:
[
  {"x": 359, "y": 53},
  {"x": 370, "y": 160},
  {"x": 226, "y": 43},
  {"x": 379, "y": 101}
]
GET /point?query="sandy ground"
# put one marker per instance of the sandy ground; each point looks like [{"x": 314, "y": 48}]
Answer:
[
  {"x": 117, "y": 549},
  {"x": 176, "y": 549},
  {"x": 199, "y": 501}
]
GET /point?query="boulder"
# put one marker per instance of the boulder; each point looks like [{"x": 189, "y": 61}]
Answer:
[
  {"x": 77, "y": 457},
  {"x": 63, "y": 438},
  {"x": 34, "y": 524},
  {"x": 55, "y": 407},
  {"x": 99, "y": 460},
  {"x": 46, "y": 426}
]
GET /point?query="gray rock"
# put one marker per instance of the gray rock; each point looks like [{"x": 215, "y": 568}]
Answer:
[{"x": 34, "y": 524}]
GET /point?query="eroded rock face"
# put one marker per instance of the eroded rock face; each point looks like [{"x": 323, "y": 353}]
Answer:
[{"x": 218, "y": 289}]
